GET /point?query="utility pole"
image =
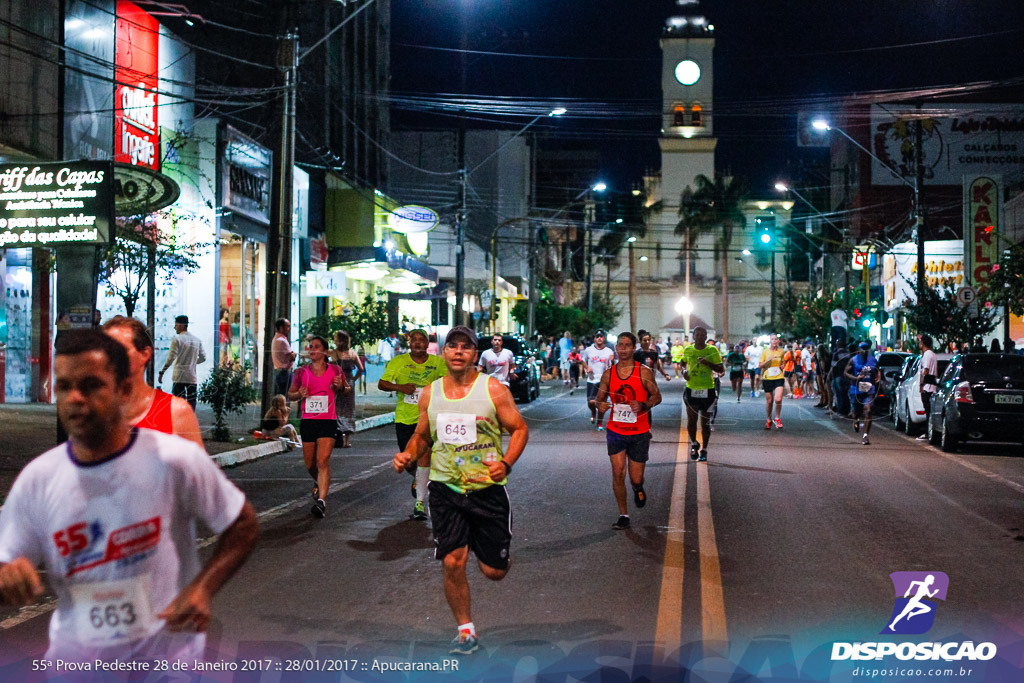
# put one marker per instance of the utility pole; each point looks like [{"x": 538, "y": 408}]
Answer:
[
  {"x": 277, "y": 293},
  {"x": 460, "y": 233},
  {"x": 773, "y": 288},
  {"x": 632, "y": 289},
  {"x": 918, "y": 208}
]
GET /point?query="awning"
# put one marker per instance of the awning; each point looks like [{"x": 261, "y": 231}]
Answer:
[{"x": 379, "y": 258}]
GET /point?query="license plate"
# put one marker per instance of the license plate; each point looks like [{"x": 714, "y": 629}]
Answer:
[{"x": 1010, "y": 399}]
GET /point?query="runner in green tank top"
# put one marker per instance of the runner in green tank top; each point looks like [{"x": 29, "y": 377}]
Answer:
[{"x": 461, "y": 418}]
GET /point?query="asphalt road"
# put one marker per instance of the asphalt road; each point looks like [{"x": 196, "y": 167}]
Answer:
[{"x": 750, "y": 565}]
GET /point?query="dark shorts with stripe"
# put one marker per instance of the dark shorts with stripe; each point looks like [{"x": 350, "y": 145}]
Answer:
[
  {"x": 592, "y": 389},
  {"x": 702, "y": 405},
  {"x": 637, "y": 446},
  {"x": 404, "y": 432},
  {"x": 480, "y": 519}
]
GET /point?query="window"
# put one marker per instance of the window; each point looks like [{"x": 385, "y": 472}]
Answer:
[
  {"x": 696, "y": 115},
  {"x": 679, "y": 115}
]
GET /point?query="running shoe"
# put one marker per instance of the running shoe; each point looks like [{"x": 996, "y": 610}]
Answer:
[
  {"x": 600, "y": 428},
  {"x": 420, "y": 511},
  {"x": 865, "y": 440},
  {"x": 694, "y": 451},
  {"x": 591, "y": 419},
  {"x": 778, "y": 423},
  {"x": 319, "y": 508},
  {"x": 621, "y": 523},
  {"x": 703, "y": 456},
  {"x": 752, "y": 395},
  {"x": 464, "y": 644},
  {"x": 737, "y": 398},
  {"x": 768, "y": 425},
  {"x": 639, "y": 497}
]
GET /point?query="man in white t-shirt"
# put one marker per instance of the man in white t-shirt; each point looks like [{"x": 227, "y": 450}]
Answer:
[
  {"x": 111, "y": 516},
  {"x": 496, "y": 361},
  {"x": 753, "y": 355},
  {"x": 596, "y": 359},
  {"x": 929, "y": 366},
  {"x": 565, "y": 347}
]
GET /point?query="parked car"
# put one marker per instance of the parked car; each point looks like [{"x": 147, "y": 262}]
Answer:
[
  {"x": 524, "y": 379},
  {"x": 980, "y": 397},
  {"x": 890, "y": 363},
  {"x": 907, "y": 409}
]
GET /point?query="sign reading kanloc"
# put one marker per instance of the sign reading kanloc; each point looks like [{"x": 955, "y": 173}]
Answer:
[
  {"x": 981, "y": 228},
  {"x": 136, "y": 129},
  {"x": 42, "y": 205}
]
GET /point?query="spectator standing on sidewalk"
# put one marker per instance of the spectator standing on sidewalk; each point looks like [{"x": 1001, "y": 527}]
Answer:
[
  {"x": 345, "y": 399},
  {"x": 282, "y": 356},
  {"x": 186, "y": 352},
  {"x": 388, "y": 348}
]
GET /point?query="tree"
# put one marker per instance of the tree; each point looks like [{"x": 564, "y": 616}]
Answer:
[
  {"x": 142, "y": 247},
  {"x": 937, "y": 312},
  {"x": 713, "y": 207},
  {"x": 551, "y": 318},
  {"x": 366, "y": 323},
  {"x": 602, "y": 314},
  {"x": 1006, "y": 286}
]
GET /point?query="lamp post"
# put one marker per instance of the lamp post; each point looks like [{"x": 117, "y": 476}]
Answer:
[
  {"x": 460, "y": 230},
  {"x": 684, "y": 307},
  {"x": 918, "y": 236}
]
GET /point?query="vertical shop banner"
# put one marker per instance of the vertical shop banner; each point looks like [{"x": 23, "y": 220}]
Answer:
[
  {"x": 981, "y": 228},
  {"x": 136, "y": 119}
]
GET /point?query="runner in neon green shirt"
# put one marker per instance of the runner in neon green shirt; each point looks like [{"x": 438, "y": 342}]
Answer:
[
  {"x": 676, "y": 354},
  {"x": 701, "y": 360},
  {"x": 406, "y": 375}
]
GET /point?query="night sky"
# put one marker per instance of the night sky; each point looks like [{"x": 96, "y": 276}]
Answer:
[{"x": 772, "y": 59}]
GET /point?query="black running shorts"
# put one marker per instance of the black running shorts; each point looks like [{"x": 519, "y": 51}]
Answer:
[
  {"x": 735, "y": 374},
  {"x": 702, "y": 405},
  {"x": 592, "y": 389},
  {"x": 404, "y": 432},
  {"x": 480, "y": 519},
  {"x": 313, "y": 429},
  {"x": 770, "y": 385},
  {"x": 636, "y": 446}
]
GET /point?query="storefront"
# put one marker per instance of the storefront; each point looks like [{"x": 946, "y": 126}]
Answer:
[{"x": 944, "y": 267}]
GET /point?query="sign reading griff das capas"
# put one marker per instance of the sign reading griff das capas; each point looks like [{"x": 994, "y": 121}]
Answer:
[{"x": 48, "y": 204}]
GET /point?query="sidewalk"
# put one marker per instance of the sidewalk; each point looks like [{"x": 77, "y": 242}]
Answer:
[{"x": 29, "y": 429}]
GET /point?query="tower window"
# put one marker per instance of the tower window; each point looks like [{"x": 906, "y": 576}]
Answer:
[
  {"x": 679, "y": 115},
  {"x": 697, "y": 115}
]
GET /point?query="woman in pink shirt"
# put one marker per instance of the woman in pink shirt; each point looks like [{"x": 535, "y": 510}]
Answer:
[{"x": 314, "y": 386}]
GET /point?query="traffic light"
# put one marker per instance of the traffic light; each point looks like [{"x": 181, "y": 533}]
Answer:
[{"x": 764, "y": 231}]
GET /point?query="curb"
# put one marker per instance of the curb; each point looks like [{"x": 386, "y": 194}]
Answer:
[{"x": 264, "y": 450}]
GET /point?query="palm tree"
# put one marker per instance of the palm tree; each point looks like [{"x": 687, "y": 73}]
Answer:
[{"x": 714, "y": 206}]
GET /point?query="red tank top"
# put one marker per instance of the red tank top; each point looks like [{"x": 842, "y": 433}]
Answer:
[
  {"x": 620, "y": 393},
  {"x": 159, "y": 415}
]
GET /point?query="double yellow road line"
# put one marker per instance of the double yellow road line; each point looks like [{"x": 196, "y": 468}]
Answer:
[{"x": 670, "y": 605}]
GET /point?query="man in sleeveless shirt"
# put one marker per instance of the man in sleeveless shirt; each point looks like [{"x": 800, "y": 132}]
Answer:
[
  {"x": 629, "y": 390},
  {"x": 461, "y": 418},
  {"x": 148, "y": 407}
]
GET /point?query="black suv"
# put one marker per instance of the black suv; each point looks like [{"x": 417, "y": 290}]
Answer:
[
  {"x": 980, "y": 397},
  {"x": 524, "y": 379}
]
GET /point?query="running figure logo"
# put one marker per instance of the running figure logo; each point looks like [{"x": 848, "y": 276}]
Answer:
[{"x": 916, "y": 595}]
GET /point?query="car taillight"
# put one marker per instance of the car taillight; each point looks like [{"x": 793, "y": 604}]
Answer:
[{"x": 963, "y": 393}]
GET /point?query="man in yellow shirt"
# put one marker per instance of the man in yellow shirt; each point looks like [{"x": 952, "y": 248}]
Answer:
[
  {"x": 701, "y": 360},
  {"x": 773, "y": 380}
]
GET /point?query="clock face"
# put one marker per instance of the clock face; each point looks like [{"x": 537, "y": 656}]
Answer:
[{"x": 687, "y": 72}]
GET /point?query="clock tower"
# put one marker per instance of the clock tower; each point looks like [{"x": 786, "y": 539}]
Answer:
[{"x": 687, "y": 133}]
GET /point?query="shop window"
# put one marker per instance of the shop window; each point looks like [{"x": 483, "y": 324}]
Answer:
[
  {"x": 679, "y": 115},
  {"x": 696, "y": 115}
]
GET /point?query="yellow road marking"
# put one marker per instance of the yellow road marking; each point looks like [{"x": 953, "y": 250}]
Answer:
[
  {"x": 669, "y": 631},
  {"x": 711, "y": 597}
]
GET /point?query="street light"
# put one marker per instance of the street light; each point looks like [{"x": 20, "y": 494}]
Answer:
[{"x": 684, "y": 307}]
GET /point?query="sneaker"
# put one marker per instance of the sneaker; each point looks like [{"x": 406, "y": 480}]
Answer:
[
  {"x": 600, "y": 428},
  {"x": 639, "y": 497},
  {"x": 420, "y": 511},
  {"x": 591, "y": 419},
  {"x": 778, "y": 423},
  {"x": 737, "y": 399},
  {"x": 694, "y": 451},
  {"x": 622, "y": 523},
  {"x": 923, "y": 437},
  {"x": 752, "y": 394},
  {"x": 768, "y": 425},
  {"x": 319, "y": 508},
  {"x": 703, "y": 456},
  {"x": 865, "y": 440},
  {"x": 464, "y": 644},
  {"x": 571, "y": 389}
]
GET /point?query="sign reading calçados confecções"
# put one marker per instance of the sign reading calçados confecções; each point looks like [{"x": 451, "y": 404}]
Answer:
[{"x": 49, "y": 204}]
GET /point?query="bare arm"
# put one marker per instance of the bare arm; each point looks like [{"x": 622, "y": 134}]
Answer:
[
  {"x": 19, "y": 583},
  {"x": 602, "y": 392},
  {"x": 846, "y": 371},
  {"x": 190, "y": 610},
  {"x": 184, "y": 421},
  {"x": 511, "y": 420},
  {"x": 653, "y": 393}
]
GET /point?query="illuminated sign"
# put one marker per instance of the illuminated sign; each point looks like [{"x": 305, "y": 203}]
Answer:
[
  {"x": 981, "y": 228},
  {"x": 325, "y": 283},
  {"x": 245, "y": 178},
  {"x": 943, "y": 267},
  {"x": 136, "y": 121},
  {"x": 138, "y": 190},
  {"x": 56, "y": 203},
  {"x": 412, "y": 219}
]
